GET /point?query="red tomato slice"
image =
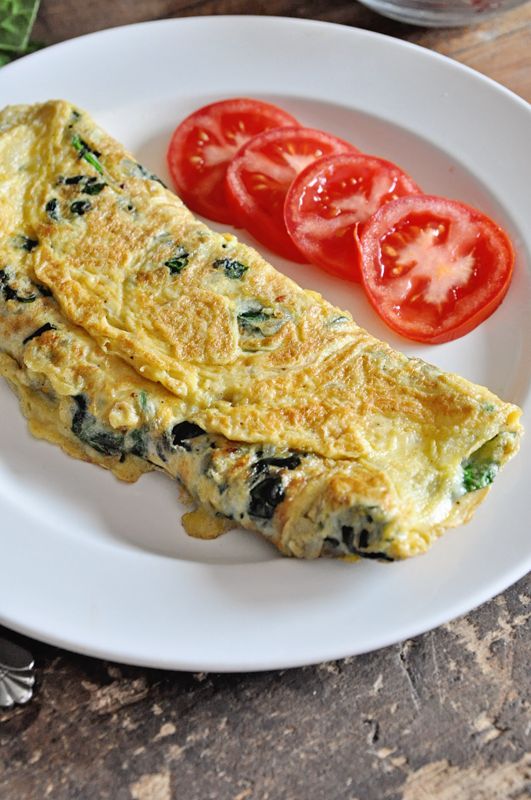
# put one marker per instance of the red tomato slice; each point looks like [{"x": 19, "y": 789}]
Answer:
[
  {"x": 260, "y": 175},
  {"x": 331, "y": 198},
  {"x": 434, "y": 268},
  {"x": 204, "y": 143}
]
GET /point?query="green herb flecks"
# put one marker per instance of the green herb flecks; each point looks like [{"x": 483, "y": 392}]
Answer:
[
  {"x": 103, "y": 439},
  {"x": 80, "y": 207},
  {"x": 73, "y": 180},
  {"x": 88, "y": 430},
  {"x": 16, "y": 21},
  {"x": 87, "y": 153},
  {"x": 480, "y": 469},
  {"x": 254, "y": 319},
  {"x": 250, "y": 321},
  {"x": 43, "y": 329},
  {"x": 147, "y": 174},
  {"x": 87, "y": 184},
  {"x": 25, "y": 243},
  {"x": 265, "y": 496},
  {"x": 178, "y": 262},
  {"x": 44, "y": 291},
  {"x": 11, "y": 294},
  {"x": 137, "y": 442},
  {"x": 338, "y": 320},
  {"x": 136, "y": 170},
  {"x": 93, "y": 188},
  {"x": 233, "y": 269},
  {"x": 479, "y": 474},
  {"x": 52, "y": 209},
  {"x": 126, "y": 205},
  {"x": 143, "y": 400}
]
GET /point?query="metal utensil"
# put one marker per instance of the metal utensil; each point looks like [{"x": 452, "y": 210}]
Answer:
[{"x": 17, "y": 675}]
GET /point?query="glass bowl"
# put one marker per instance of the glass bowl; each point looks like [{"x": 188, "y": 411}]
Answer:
[{"x": 441, "y": 14}]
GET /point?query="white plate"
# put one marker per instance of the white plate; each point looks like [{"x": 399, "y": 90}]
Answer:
[{"x": 105, "y": 568}]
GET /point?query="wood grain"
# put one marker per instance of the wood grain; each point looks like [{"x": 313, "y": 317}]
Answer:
[
  {"x": 440, "y": 717},
  {"x": 444, "y": 716}
]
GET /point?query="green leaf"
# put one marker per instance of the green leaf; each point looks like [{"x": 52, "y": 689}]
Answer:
[
  {"x": 86, "y": 152},
  {"x": 256, "y": 320},
  {"x": 478, "y": 474},
  {"x": 16, "y": 21},
  {"x": 9, "y": 55},
  {"x": 143, "y": 399},
  {"x": 178, "y": 262},
  {"x": 233, "y": 269}
]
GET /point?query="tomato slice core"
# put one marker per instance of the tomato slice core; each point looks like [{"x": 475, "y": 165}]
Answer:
[
  {"x": 203, "y": 144},
  {"x": 261, "y": 174},
  {"x": 434, "y": 268},
  {"x": 332, "y": 198}
]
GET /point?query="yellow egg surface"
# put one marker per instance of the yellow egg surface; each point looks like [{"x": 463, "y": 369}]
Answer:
[{"x": 205, "y": 327}]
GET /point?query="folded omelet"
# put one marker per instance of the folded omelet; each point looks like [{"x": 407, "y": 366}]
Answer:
[{"x": 138, "y": 338}]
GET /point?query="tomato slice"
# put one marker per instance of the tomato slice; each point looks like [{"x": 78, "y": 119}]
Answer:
[
  {"x": 331, "y": 198},
  {"x": 260, "y": 175},
  {"x": 434, "y": 268},
  {"x": 203, "y": 144}
]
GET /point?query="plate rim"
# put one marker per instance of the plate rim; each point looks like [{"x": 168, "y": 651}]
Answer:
[
  {"x": 453, "y": 611},
  {"x": 267, "y": 19}
]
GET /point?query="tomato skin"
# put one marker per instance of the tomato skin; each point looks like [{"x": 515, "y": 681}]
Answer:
[
  {"x": 434, "y": 269},
  {"x": 331, "y": 199},
  {"x": 203, "y": 144},
  {"x": 259, "y": 176}
]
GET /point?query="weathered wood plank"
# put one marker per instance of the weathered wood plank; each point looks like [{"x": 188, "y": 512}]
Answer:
[{"x": 442, "y": 716}]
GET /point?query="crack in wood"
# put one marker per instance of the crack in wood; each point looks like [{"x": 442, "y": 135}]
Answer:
[{"x": 403, "y": 662}]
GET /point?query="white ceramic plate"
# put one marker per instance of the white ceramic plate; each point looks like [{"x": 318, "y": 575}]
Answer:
[{"x": 104, "y": 568}]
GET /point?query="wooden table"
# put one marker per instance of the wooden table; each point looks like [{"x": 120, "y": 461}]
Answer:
[{"x": 440, "y": 717}]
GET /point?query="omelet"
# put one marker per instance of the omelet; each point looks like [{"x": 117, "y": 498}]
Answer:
[{"x": 137, "y": 338}]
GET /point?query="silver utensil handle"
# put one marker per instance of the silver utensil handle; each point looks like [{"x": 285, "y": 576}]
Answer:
[{"x": 17, "y": 675}]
